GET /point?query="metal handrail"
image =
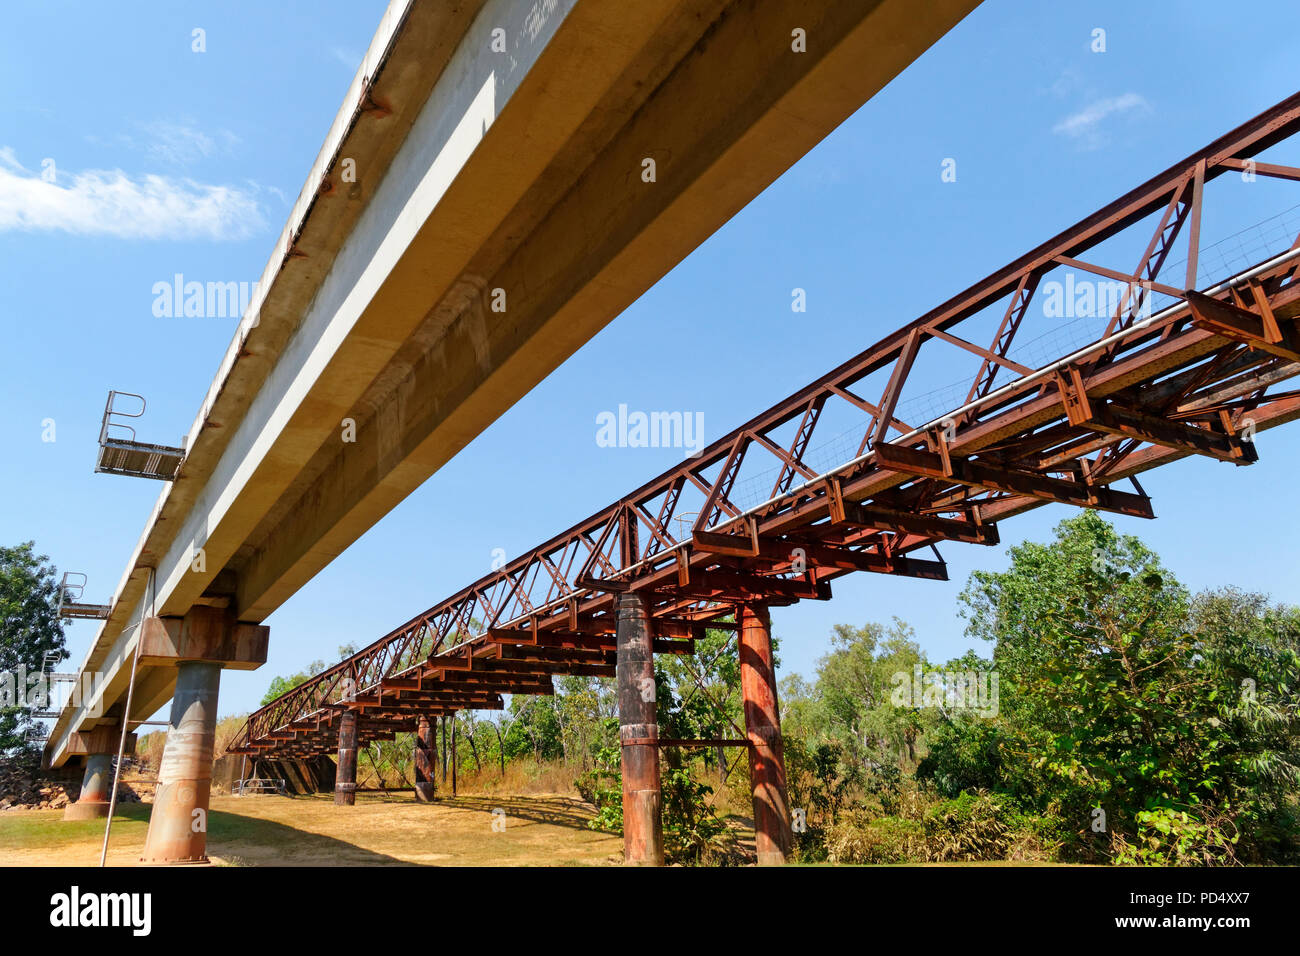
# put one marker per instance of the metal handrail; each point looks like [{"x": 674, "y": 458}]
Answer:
[
  {"x": 65, "y": 587},
  {"x": 242, "y": 788},
  {"x": 110, "y": 411}
]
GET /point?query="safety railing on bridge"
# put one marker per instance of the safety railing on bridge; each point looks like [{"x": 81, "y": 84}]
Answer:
[
  {"x": 71, "y": 590},
  {"x": 120, "y": 453},
  {"x": 254, "y": 786}
]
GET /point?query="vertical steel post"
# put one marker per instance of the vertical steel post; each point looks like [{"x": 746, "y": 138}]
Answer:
[
  {"x": 772, "y": 836},
  {"x": 454, "y": 755},
  {"x": 178, "y": 825},
  {"x": 345, "y": 781},
  {"x": 126, "y": 725},
  {"x": 444, "y": 750},
  {"x": 638, "y": 732},
  {"x": 424, "y": 742}
]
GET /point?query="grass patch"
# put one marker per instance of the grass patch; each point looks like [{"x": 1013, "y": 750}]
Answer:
[{"x": 34, "y": 829}]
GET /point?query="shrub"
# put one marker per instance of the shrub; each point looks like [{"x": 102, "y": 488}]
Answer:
[
  {"x": 968, "y": 827},
  {"x": 1166, "y": 837},
  {"x": 693, "y": 833},
  {"x": 602, "y": 786},
  {"x": 857, "y": 839}
]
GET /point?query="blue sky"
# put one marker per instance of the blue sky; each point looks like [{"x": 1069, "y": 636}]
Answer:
[{"x": 173, "y": 161}]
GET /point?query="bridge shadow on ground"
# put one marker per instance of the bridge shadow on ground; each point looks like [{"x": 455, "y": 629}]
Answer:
[
  {"x": 237, "y": 840},
  {"x": 555, "y": 811}
]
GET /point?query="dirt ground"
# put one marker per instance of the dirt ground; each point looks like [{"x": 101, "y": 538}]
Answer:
[{"x": 539, "y": 830}]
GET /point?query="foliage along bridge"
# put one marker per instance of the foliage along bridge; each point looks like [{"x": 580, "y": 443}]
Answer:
[{"x": 868, "y": 468}]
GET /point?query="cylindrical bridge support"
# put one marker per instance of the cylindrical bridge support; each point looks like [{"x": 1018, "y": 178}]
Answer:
[
  {"x": 345, "y": 780},
  {"x": 643, "y": 836},
  {"x": 455, "y": 755},
  {"x": 772, "y": 836},
  {"x": 425, "y": 746},
  {"x": 178, "y": 825},
  {"x": 96, "y": 784}
]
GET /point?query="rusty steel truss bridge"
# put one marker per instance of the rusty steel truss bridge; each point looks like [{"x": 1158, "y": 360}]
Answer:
[{"x": 876, "y": 463}]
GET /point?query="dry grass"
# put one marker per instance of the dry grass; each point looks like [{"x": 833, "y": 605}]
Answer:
[
  {"x": 540, "y": 830},
  {"x": 149, "y": 747},
  {"x": 521, "y": 777}
]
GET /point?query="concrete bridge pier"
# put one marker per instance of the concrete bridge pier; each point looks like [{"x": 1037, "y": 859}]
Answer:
[
  {"x": 772, "y": 835},
  {"x": 178, "y": 825},
  {"x": 345, "y": 780},
  {"x": 198, "y": 645},
  {"x": 99, "y": 747},
  {"x": 96, "y": 785},
  {"x": 643, "y": 837},
  {"x": 425, "y": 754}
]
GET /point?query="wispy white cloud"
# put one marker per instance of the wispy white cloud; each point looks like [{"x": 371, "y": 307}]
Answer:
[
  {"x": 1068, "y": 81},
  {"x": 183, "y": 144},
  {"x": 258, "y": 188},
  {"x": 348, "y": 58},
  {"x": 174, "y": 143},
  {"x": 1085, "y": 126},
  {"x": 111, "y": 203}
]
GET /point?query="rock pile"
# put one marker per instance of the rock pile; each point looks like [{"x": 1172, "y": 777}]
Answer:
[{"x": 24, "y": 786}]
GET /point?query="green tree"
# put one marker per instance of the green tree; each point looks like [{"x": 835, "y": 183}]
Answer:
[
  {"x": 964, "y": 748},
  {"x": 1251, "y": 651},
  {"x": 855, "y": 684},
  {"x": 282, "y": 685},
  {"x": 1119, "y": 694},
  {"x": 29, "y": 630}
]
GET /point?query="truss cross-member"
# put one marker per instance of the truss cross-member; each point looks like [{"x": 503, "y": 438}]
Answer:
[
  {"x": 1241, "y": 325},
  {"x": 857, "y": 515},
  {"x": 1115, "y": 419},
  {"x": 966, "y": 471}
]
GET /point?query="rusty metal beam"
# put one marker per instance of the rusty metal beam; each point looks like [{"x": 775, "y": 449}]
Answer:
[{"x": 977, "y": 474}]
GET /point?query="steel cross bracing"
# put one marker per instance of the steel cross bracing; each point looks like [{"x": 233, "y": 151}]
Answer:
[{"x": 770, "y": 514}]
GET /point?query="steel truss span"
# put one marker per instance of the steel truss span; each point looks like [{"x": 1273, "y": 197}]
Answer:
[{"x": 874, "y": 464}]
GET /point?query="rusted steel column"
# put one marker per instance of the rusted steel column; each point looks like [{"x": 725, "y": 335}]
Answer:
[
  {"x": 643, "y": 835},
  {"x": 345, "y": 781},
  {"x": 95, "y": 786},
  {"x": 178, "y": 825},
  {"x": 454, "y": 755},
  {"x": 772, "y": 836},
  {"x": 424, "y": 744},
  {"x": 444, "y": 750}
]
